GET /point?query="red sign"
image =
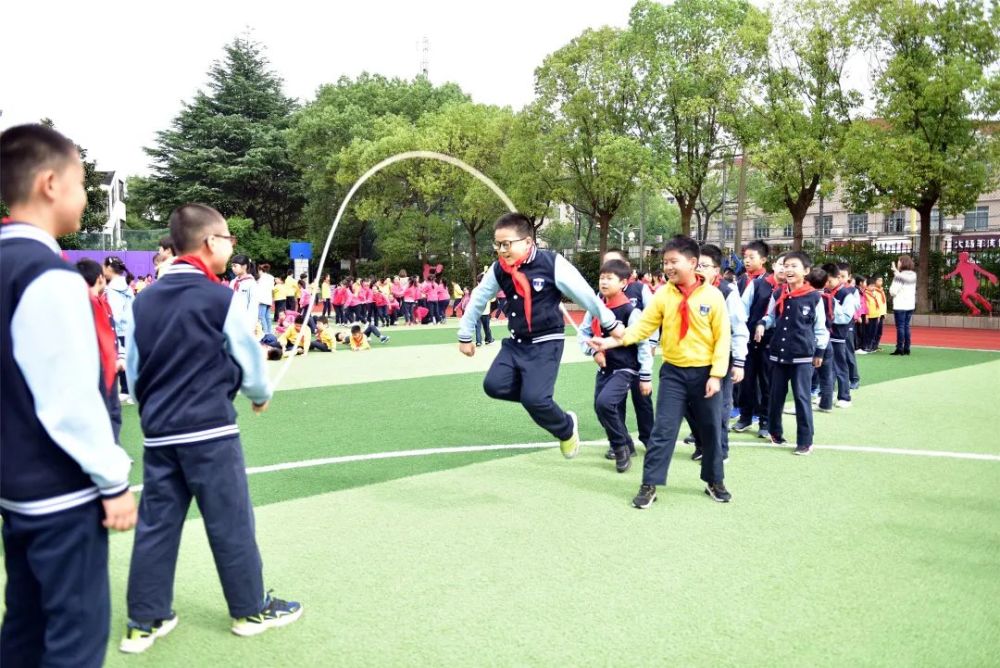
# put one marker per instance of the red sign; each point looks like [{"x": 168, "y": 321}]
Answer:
[{"x": 975, "y": 242}]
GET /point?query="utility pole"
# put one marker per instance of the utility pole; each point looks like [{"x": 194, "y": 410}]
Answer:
[
  {"x": 741, "y": 201},
  {"x": 642, "y": 231}
]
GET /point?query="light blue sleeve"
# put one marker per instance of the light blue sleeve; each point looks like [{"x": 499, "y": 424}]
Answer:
[
  {"x": 54, "y": 344},
  {"x": 573, "y": 285},
  {"x": 645, "y": 349},
  {"x": 647, "y": 296},
  {"x": 748, "y": 295},
  {"x": 480, "y": 297},
  {"x": 820, "y": 331},
  {"x": 768, "y": 320},
  {"x": 844, "y": 313},
  {"x": 247, "y": 352},
  {"x": 585, "y": 334},
  {"x": 131, "y": 359},
  {"x": 738, "y": 328}
]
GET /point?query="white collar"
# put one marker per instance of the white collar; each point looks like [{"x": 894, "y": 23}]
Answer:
[{"x": 19, "y": 230}]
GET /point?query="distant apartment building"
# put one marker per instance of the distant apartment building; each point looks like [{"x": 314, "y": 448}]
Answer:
[{"x": 115, "y": 190}]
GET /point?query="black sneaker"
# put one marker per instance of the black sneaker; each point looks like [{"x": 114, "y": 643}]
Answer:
[
  {"x": 610, "y": 454},
  {"x": 623, "y": 461},
  {"x": 718, "y": 492},
  {"x": 778, "y": 440},
  {"x": 897, "y": 351},
  {"x": 645, "y": 498},
  {"x": 742, "y": 426},
  {"x": 803, "y": 449},
  {"x": 689, "y": 439},
  {"x": 696, "y": 455}
]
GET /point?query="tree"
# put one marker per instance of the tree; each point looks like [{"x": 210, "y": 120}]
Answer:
[
  {"x": 935, "y": 81},
  {"x": 354, "y": 110},
  {"x": 586, "y": 106},
  {"x": 694, "y": 59},
  {"x": 228, "y": 148},
  {"x": 796, "y": 131}
]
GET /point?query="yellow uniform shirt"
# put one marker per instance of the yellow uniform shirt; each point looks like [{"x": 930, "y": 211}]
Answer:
[
  {"x": 324, "y": 291},
  {"x": 326, "y": 336},
  {"x": 359, "y": 342},
  {"x": 708, "y": 336},
  {"x": 291, "y": 335}
]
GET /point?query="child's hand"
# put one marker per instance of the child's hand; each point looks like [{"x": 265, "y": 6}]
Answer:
[
  {"x": 467, "y": 349},
  {"x": 601, "y": 344},
  {"x": 120, "y": 512},
  {"x": 600, "y": 359},
  {"x": 758, "y": 333},
  {"x": 645, "y": 387},
  {"x": 817, "y": 362},
  {"x": 260, "y": 408},
  {"x": 737, "y": 374},
  {"x": 712, "y": 387}
]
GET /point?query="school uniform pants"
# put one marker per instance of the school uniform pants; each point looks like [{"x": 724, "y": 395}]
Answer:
[
  {"x": 338, "y": 314},
  {"x": 326, "y": 307},
  {"x": 871, "y": 328},
  {"x": 483, "y": 325},
  {"x": 852, "y": 360},
  {"x": 822, "y": 379},
  {"x": 682, "y": 391},
  {"x": 526, "y": 372},
  {"x": 727, "y": 386},
  {"x": 754, "y": 390},
  {"x": 58, "y": 600},
  {"x": 319, "y": 346},
  {"x": 799, "y": 376},
  {"x": 443, "y": 309},
  {"x": 214, "y": 475},
  {"x": 841, "y": 371},
  {"x": 611, "y": 389}
]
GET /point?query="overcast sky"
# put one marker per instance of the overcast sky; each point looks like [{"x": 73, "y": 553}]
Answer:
[{"x": 111, "y": 74}]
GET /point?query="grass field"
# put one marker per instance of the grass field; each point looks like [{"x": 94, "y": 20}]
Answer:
[{"x": 881, "y": 549}]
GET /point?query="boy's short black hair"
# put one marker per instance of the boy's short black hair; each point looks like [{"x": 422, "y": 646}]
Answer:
[
  {"x": 714, "y": 252},
  {"x": 804, "y": 258},
  {"x": 273, "y": 354},
  {"x": 860, "y": 278},
  {"x": 872, "y": 278},
  {"x": 90, "y": 270},
  {"x": 300, "y": 319},
  {"x": 816, "y": 278},
  {"x": 323, "y": 320},
  {"x": 831, "y": 269},
  {"x": 166, "y": 243},
  {"x": 340, "y": 336},
  {"x": 515, "y": 221},
  {"x": 356, "y": 329},
  {"x": 189, "y": 224},
  {"x": 618, "y": 268},
  {"x": 760, "y": 246},
  {"x": 684, "y": 245},
  {"x": 25, "y": 150},
  {"x": 844, "y": 266}
]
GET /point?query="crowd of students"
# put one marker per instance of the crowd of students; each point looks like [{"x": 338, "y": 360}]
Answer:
[{"x": 185, "y": 344}]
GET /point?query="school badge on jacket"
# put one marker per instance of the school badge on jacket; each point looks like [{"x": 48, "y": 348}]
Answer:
[
  {"x": 704, "y": 309},
  {"x": 538, "y": 284}
]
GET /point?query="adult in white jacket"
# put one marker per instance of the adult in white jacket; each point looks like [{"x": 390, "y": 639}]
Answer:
[
  {"x": 120, "y": 298},
  {"x": 904, "y": 300}
]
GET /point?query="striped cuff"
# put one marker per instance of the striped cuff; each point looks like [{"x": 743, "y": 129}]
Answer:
[{"x": 114, "y": 491}]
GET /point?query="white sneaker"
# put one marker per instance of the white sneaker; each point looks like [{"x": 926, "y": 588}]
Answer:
[
  {"x": 789, "y": 410},
  {"x": 138, "y": 639},
  {"x": 570, "y": 448},
  {"x": 815, "y": 400},
  {"x": 861, "y": 351},
  {"x": 841, "y": 403}
]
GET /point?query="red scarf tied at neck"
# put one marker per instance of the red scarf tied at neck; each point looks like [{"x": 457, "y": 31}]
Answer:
[
  {"x": 686, "y": 292},
  {"x": 198, "y": 263},
  {"x": 521, "y": 284},
  {"x": 803, "y": 289}
]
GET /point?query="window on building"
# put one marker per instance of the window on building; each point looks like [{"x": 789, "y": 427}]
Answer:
[
  {"x": 824, "y": 225},
  {"x": 895, "y": 222},
  {"x": 788, "y": 230},
  {"x": 729, "y": 232},
  {"x": 761, "y": 230},
  {"x": 857, "y": 223},
  {"x": 977, "y": 219}
]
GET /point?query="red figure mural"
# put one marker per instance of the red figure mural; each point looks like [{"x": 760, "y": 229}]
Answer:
[{"x": 970, "y": 283}]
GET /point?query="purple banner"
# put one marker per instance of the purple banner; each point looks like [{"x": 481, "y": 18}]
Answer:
[{"x": 139, "y": 263}]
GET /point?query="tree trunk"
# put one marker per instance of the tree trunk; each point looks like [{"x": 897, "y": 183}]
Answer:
[
  {"x": 604, "y": 220},
  {"x": 686, "y": 210},
  {"x": 924, "y": 260},
  {"x": 797, "y": 231},
  {"x": 473, "y": 257}
]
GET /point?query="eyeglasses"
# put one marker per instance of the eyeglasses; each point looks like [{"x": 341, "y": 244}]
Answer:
[
  {"x": 706, "y": 265},
  {"x": 505, "y": 245},
  {"x": 229, "y": 237}
]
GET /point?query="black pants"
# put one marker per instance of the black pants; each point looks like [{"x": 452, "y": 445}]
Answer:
[
  {"x": 726, "y": 390},
  {"x": 526, "y": 372},
  {"x": 213, "y": 474},
  {"x": 58, "y": 599},
  {"x": 800, "y": 377},
  {"x": 326, "y": 307},
  {"x": 319, "y": 346},
  {"x": 610, "y": 392},
  {"x": 754, "y": 390},
  {"x": 338, "y": 314},
  {"x": 682, "y": 391},
  {"x": 841, "y": 369},
  {"x": 852, "y": 360},
  {"x": 122, "y": 381}
]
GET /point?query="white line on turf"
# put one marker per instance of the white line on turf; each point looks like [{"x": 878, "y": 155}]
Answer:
[{"x": 426, "y": 452}]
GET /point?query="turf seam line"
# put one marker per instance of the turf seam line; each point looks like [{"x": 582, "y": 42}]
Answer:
[{"x": 425, "y": 452}]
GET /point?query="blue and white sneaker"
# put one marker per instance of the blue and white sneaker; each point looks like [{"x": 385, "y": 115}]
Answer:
[{"x": 275, "y": 613}]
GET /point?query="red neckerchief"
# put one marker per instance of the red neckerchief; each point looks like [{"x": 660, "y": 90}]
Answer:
[
  {"x": 198, "y": 263},
  {"x": 828, "y": 302},
  {"x": 803, "y": 289},
  {"x": 107, "y": 342},
  {"x": 616, "y": 301},
  {"x": 521, "y": 285},
  {"x": 240, "y": 279},
  {"x": 772, "y": 281},
  {"x": 755, "y": 274},
  {"x": 718, "y": 281},
  {"x": 686, "y": 293}
]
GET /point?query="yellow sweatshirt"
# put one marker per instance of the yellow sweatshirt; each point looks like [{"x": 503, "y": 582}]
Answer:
[{"x": 708, "y": 336}]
